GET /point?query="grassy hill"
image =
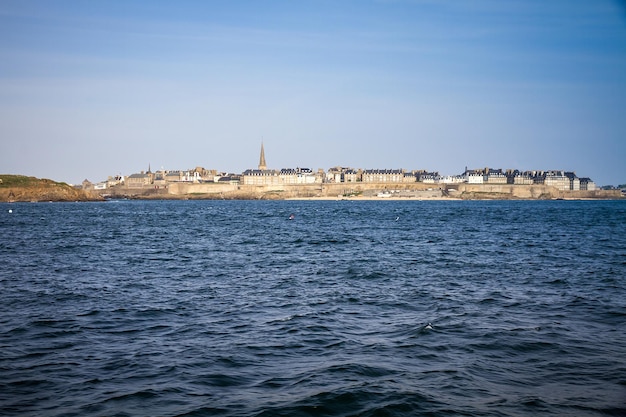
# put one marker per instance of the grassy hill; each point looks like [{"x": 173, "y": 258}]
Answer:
[{"x": 23, "y": 188}]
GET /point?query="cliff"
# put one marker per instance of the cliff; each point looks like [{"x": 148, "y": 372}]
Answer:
[{"x": 22, "y": 188}]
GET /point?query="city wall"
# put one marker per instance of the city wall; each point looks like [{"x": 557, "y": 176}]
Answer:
[
  {"x": 357, "y": 190},
  {"x": 340, "y": 190},
  {"x": 534, "y": 192},
  {"x": 505, "y": 191},
  {"x": 181, "y": 188}
]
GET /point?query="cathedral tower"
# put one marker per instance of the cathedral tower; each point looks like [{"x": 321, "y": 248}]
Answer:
[{"x": 262, "y": 164}]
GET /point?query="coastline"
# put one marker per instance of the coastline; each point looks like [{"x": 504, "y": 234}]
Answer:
[
  {"x": 15, "y": 188},
  {"x": 374, "y": 198},
  {"x": 19, "y": 188},
  {"x": 356, "y": 192}
]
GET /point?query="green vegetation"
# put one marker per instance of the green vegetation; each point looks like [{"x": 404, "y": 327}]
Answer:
[
  {"x": 23, "y": 188},
  {"x": 21, "y": 181},
  {"x": 8, "y": 180}
]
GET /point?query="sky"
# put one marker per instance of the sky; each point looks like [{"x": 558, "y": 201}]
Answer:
[{"x": 92, "y": 89}]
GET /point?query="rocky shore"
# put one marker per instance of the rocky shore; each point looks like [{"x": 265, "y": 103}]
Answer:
[{"x": 19, "y": 188}]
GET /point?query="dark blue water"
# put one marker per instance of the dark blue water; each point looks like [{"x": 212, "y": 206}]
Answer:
[{"x": 202, "y": 308}]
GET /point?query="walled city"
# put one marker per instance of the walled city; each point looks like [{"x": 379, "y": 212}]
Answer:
[{"x": 345, "y": 182}]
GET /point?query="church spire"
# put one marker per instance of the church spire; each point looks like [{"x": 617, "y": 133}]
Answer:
[{"x": 262, "y": 164}]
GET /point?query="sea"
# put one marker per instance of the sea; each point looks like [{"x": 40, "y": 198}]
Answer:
[{"x": 313, "y": 308}]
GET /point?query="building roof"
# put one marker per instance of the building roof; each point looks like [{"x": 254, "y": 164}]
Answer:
[
  {"x": 383, "y": 171},
  {"x": 139, "y": 176},
  {"x": 260, "y": 172},
  {"x": 262, "y": 163}
]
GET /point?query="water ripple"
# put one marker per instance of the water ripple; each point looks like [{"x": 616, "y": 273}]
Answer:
[{"x": 225, "y": 308}]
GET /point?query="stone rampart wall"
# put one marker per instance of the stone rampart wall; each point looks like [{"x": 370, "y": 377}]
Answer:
[
  {"x": 182, "y": 188},
  {"x": 495, "y": 191},
  {"x": 504, "y": 190},
  {"x": 334, "y": 190}
]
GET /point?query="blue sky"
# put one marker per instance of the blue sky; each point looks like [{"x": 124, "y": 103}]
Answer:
[{"x": 90, "y": 89}]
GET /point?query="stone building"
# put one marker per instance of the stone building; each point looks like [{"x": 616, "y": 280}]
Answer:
[
  {"x": 285, "y": 176},
  {"x": 557, "y": 179},
  {"x": 495, "y": 176},
  {"x": 138, "y": 180},
  {"x": 587, "y": 185},
  {"x": 297, "y": 176},
  {"x": 383, "y": 175},
  {"x": 428, "y": 177},
  {"x": 342, "y": 174}
]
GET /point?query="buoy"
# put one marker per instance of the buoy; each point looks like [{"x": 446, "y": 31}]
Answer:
[{"x": 10, "y": 211}]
